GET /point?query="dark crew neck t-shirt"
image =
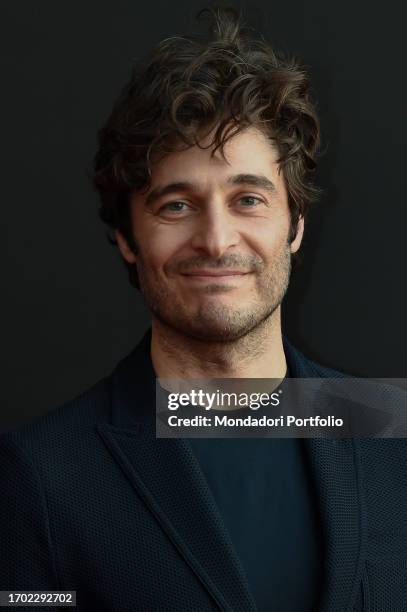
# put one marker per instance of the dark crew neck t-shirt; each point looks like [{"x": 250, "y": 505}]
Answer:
[{"x": 264, "y": 493}]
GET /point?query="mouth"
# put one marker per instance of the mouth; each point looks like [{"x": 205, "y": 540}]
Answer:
[{"x": 218, "y": 276}]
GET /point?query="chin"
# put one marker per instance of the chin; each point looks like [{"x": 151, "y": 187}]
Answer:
[
  {"x": 210, "y": 330},
  {"x": 212, "y": 322}
]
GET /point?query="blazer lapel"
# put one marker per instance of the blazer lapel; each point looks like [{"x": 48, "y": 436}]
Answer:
[
  {"x": 336, "y": 474},
  {"x": 167, "y": 477}
]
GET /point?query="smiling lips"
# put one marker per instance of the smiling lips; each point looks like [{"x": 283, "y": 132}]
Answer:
[{"x": 218, "y": 275}]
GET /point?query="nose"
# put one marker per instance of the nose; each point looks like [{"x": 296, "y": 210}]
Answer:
[{"x": 215, "y": 232}]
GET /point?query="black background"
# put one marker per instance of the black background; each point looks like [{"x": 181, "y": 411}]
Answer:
[{"x": 70, "y": 313}]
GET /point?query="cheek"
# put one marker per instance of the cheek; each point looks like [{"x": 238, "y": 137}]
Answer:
[
  {"x": 159, "y": 247},
  {"x": 268, "y": 237}
]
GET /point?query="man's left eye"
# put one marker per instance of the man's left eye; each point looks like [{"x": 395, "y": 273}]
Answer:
[{"x": 250, "y": 201}]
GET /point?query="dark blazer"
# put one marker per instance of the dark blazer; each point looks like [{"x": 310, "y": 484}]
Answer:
[{"x": 91, "y": 501}]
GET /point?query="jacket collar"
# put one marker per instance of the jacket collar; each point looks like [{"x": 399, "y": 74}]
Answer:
[
  {"x": 335, "y": 467},
  {"x": 167, "y": 476}
]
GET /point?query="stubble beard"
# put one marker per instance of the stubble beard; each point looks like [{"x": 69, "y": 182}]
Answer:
[{"x": 213, "y": 320}]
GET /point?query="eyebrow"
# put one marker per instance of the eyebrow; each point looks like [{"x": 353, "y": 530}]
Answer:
[{"x": 255, "y": 180}]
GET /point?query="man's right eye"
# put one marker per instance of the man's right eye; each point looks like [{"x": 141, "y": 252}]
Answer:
[{"x": 173, "y": 206}]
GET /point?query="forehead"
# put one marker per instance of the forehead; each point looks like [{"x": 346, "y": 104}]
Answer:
[{"x": 248, "y": 152}]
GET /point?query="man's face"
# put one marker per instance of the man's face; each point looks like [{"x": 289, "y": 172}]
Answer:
[{"x": 214, "y": 258}]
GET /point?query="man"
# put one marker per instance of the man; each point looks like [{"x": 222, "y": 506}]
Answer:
[{"x": 204, "y": 174}]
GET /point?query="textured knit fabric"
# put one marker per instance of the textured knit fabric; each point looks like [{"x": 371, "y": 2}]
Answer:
[
  {"x": 91, "y": 501},
  {"x": 264, "y": 493}
]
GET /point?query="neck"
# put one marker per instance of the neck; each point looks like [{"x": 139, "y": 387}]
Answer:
[{"x": 258, "y": 354}]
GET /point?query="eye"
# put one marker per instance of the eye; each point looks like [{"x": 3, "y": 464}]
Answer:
[
  {"x": 250, "y": 201},
  {"x": 173, "y": 207}
]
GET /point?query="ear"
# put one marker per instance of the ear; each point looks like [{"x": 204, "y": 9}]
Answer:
[
  {"x": 124, "y": 248},
  {"x": 296, "y": 243}
]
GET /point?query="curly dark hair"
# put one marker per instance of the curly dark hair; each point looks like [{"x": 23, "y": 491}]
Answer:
[{"x": 222, "y": 85}]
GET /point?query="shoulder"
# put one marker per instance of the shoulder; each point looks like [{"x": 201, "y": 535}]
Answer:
[
  {"x": 62, "y": 429},
  {"x": 53, "y": 459}
]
